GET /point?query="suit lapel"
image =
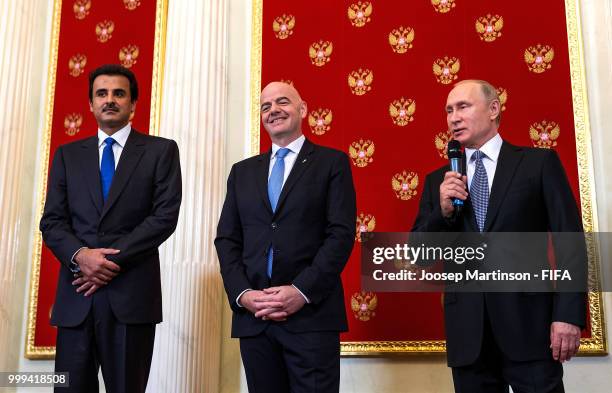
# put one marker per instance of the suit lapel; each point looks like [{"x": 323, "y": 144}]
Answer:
[
  {"x": 301, "y": 163},
  {"x": 91, "y": 167},
  {"x": 130, "y": 156},
  {"x": 263, "y": 162},
  {"x": 509, "y": 158}
]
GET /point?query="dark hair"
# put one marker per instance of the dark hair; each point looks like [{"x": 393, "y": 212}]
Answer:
[{"x": 114, "y": 69}]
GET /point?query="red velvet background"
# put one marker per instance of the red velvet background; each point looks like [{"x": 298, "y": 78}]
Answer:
[
  {"x": 532, "y": 98},
  {"x": 78, "y": 36}
]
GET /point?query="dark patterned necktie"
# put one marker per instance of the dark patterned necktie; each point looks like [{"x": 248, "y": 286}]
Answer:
[{"x": 479, "y": 192}]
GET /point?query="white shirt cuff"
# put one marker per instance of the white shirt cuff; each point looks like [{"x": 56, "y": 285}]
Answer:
[
  {"x": 239, "y": 296},
  {"x": 302, "y": 293}
]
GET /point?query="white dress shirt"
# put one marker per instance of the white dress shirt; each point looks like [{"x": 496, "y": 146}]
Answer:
[
  {"x": 491, "y": 150},
  {"x": 120, "y": 138}
]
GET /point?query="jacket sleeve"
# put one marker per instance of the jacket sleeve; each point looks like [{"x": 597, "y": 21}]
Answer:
[
  {"x": 56, "y": 223},
  {"x": 429, "y": 217},
  {"x": 320, "y": 278},
  {"x": 229, "y": 245}
]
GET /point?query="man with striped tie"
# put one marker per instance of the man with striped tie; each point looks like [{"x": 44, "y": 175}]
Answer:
[
  {"x": 497, "y": 340},
  {"x": 286, "y": 231},
  {"x": 112, "y": 200}
]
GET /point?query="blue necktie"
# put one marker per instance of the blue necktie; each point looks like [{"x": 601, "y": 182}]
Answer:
[
  {"x": 479, "y": 192},
  {"x": 107, "y": 167},
  {"x": 275, "y": 185}
]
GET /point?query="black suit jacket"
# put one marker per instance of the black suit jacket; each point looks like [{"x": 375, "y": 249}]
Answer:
[
  {"x": 530, "y": 193},
  {"x": 312, "y": 232},
  {"x": 140, "y": 213}
]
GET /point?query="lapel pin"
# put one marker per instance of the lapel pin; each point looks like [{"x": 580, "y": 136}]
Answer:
[{"x": 304, "y": 160}]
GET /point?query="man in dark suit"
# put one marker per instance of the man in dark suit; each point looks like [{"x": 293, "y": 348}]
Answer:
[
  {"x": 286, "y": 231},
  {"x": 112, "y": 200},
  {"x": 499, "y": 339}
]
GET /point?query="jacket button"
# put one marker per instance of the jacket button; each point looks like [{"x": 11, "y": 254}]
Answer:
[
  {"x": 101, "y": 233},
  {"x": 274, "y": 226}
]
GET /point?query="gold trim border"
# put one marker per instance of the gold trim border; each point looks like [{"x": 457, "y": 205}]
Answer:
[
  {"x": 596, "y": 345},
  {"x": 161, "y": 15}
]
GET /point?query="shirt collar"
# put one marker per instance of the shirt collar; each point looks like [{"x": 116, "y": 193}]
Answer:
[
  {"x": 293, "y": 147},
  {"x": 120, "y": 136},
  {"x": 491, "y": 149}
]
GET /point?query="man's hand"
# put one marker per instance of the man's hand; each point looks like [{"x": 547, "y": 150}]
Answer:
[
  {"x": 278, "y": 303},
  {"x": 453, "y": 186},
  {"x": 564, "y": 340},
  {"x": 84, "y": 285},
  {"x": 94, "y": 265}
]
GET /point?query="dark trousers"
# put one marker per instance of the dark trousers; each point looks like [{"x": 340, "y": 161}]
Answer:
[
  {"x": 493, "y": 372},
  {"x": 123, "y": 351},
  {"x": 279, "y": 361}
]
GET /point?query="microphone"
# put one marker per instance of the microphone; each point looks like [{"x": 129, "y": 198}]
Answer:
[{"x": 455, "y": 157}]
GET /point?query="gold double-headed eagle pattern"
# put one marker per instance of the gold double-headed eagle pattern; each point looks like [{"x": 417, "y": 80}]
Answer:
[
  {"x": 360, "y": 81},
  {"x": 405, "y": 184},
  {"x": 359, "y": 13},
  {"x": 320, "y": 52},
  {"x": 76, "y": 64},
  {"x": 402, "y": 111},
  {"x": 544, "y": 134},
  {"x": 128, "y": 55},
  {"x": 539, "y": 58},
  {"x": 104, "y": 30},
  {"x": 283, "y": 26},
  {"x": 489, "y": 27},
  {"x": 401, "y": 39},
  {"x": 363, "y": 305},
  {"x": 503, "y": 97},
  {"x": 441, "y": 142},
  {"x": 361, "y": 152},
  {"x": 131, "y": 4},
  {"x": 365, "y": 223},
  {"x": 443, "y": 6},
  {"x": 72, "y": 123},
  {"x": 319, "y": 120},
  {"x": 81, "y": 8},
  {"x": 446, "y": 69}
]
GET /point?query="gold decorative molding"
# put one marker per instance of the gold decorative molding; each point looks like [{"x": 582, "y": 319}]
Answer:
[
  {"x": 256, "y": 37},
  {"x": 31, "y": 350}
]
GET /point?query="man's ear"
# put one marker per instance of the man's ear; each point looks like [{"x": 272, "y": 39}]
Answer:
[
  {"x": 303, "y": 109},
  {"x": 495, "y": 108}
]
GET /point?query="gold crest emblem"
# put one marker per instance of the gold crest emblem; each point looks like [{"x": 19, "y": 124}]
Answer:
[
  {"x": 441, "y": 141},
  {"x": 72, "y": 123},
  {"x": 76, "y": 64},
  {"x": 283, "y": 26},
  {"x": 539, "y": 57},
  {"x": 405, "y": 184},
  {"x": 402, "y": 111},
  {"x": 401, "y": 39},
  {"x": 503, "y": 97},
  {"x": 446, "y": 69},
  {"x": 443, "y": 6},
  {"x": 365, "y": 223},
  {"x": 363, "y": 305},
  {"x": 320, "y": 52},
  {"x": 287, "y": 81},
  {"x": 104, "y": 30},
  {"x": 81, "y": 8},
  {"x": 320, "y": 120},
  {"x": 359, "y": 13},
  {"x": 361, "y": 152},
  {"x": 360, "y": 81},
  {"x": 131, "y": 4},
  {"x": 544, "y": 134},
  {"x": 489, "y": 27},
  {"x": 128, "y": 55}
]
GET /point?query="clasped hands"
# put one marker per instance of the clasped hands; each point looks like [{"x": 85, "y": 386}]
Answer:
[
  {"x": 274, "y": 303},
  {"x": 96, "y": 270}
]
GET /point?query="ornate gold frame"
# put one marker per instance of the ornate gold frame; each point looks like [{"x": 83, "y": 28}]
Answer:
[
  {"x": 161, "y": 16},
  {"x": 597, "y": 344}
]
